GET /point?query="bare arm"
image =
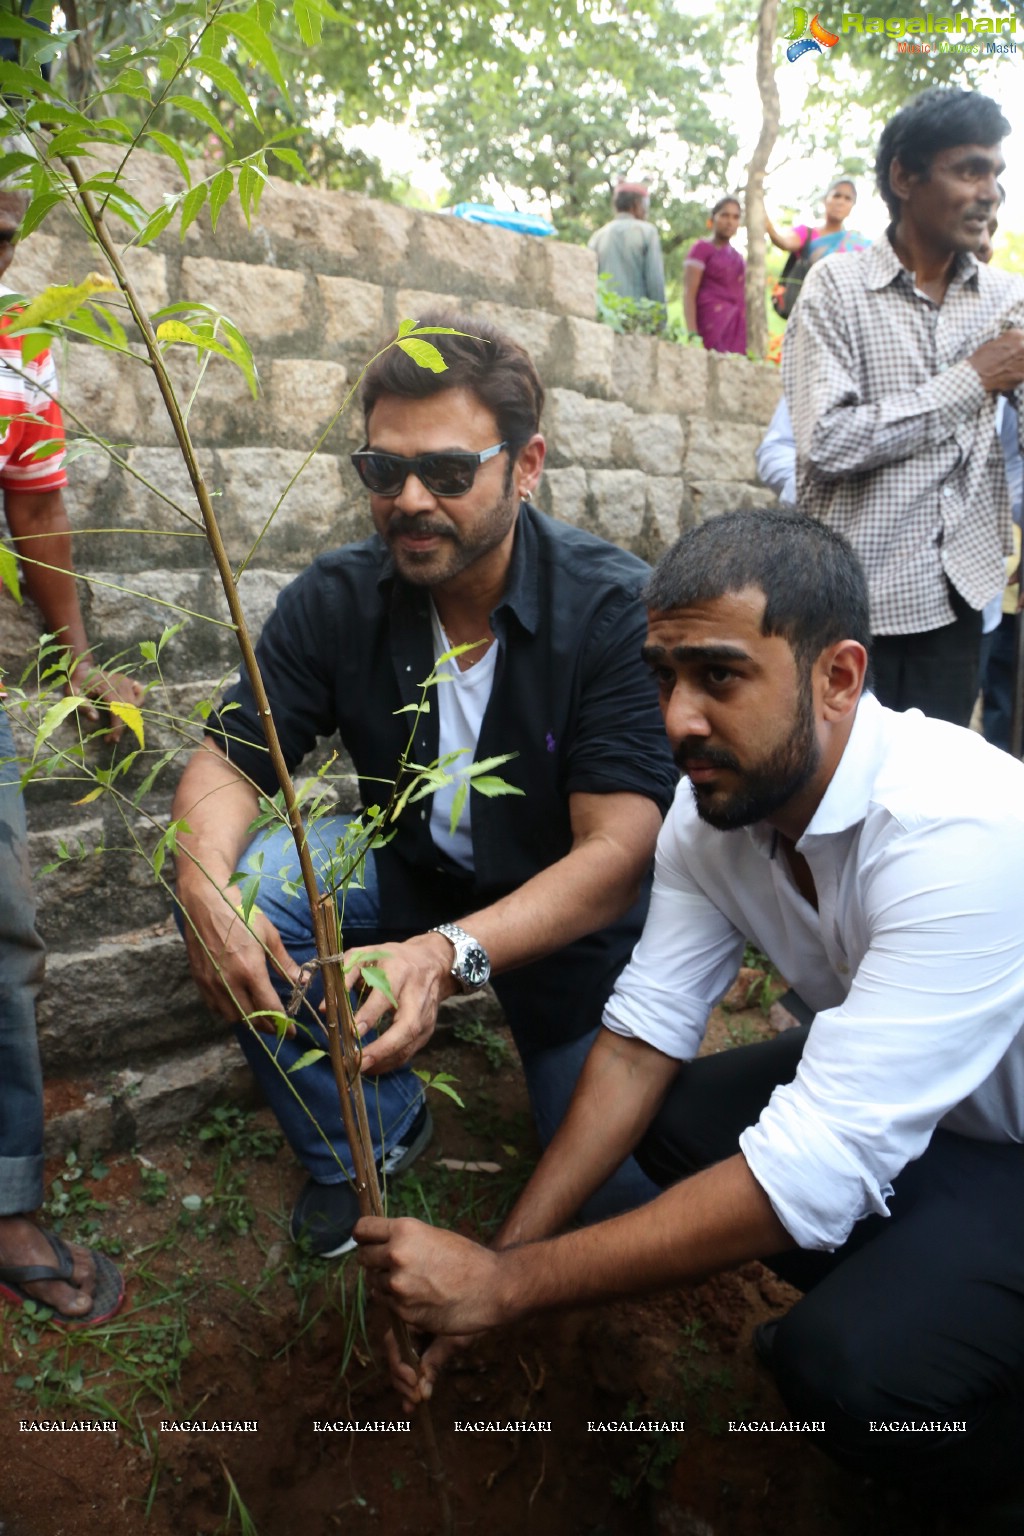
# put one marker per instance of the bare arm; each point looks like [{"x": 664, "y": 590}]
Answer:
[
  {"x": 442, "y": 1283},
  {"x": 228, "y": 961},
  {"x": 790, "y": 241},
  {"x": 597, "y": 880},
  {"x": 42, "y": 539},
  {"x": 693, "y": 272}
]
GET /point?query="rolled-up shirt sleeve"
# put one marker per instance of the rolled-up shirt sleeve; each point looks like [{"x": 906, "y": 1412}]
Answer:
[
  {"x": 687, "y": 957},
  {"x": 936, "y": 1002}
]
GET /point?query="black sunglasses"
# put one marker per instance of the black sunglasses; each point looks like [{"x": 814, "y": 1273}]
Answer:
[{"x": 444, "y": 474}]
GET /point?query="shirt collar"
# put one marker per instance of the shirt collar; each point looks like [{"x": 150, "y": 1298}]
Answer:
[
  {"x": 884, "y": 266},
  {"x": 521, "y": 596},
  {"x": 846, "y": 801}
]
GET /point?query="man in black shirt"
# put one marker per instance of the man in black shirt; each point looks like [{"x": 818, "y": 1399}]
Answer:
[{"x": 544, "y": 889}]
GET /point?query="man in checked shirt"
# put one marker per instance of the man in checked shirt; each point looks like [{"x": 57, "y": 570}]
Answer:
[{"x": 893, "y": 364}]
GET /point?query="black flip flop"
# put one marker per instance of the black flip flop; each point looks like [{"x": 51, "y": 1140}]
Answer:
[{"x": 107, "y": 1297}]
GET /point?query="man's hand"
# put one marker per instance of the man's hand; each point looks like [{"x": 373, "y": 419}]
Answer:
[
  {"x": 999, "y": 363},
  {"x": 228, "y": 959},
  {"x": 419, "y": 975},
  {"x": 107, "y": 688},
  {"x": 416, "y": 1385},
  {"x": 435, "y": 1281}
]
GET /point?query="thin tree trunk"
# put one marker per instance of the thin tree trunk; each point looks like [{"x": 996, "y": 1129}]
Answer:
[{"x": 757, "y": 326}]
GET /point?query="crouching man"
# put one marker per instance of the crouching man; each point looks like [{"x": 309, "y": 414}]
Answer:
[
  {"x": 874, "y": 1159},
  {"x": 544, "y": 890}
]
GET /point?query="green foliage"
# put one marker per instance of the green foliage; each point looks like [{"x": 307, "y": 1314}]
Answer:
[
  {"x": 558, "y": 103},
  {"x": 496, "y": 1050},
  {"x": 628, "y": 316}
]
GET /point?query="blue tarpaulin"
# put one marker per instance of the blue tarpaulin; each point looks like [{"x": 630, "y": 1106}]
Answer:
[{"x": 521, "y": 223}]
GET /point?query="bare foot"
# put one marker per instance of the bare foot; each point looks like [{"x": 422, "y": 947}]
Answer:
[{"x": 21, "y": 1242}]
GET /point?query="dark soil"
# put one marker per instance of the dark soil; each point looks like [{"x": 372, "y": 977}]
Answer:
[{"x": 230, "y": 1325}]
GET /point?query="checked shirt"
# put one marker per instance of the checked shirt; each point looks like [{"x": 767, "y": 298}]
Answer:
[{"x": 895, "y": 435}]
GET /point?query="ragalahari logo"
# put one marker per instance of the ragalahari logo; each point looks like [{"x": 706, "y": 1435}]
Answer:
[{"x": 808, "y": 37}]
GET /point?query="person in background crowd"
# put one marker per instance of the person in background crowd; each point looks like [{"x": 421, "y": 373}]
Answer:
[
  {"x": 893, "y": 365},
  {"x": 714, "y": 274},
  {"x": 628, "y": 248},
  {"x": 830, "y": 238}
]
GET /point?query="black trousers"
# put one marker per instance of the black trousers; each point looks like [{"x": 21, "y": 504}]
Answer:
[
  {"x": 936, "y": 671},
  {"x": 918, "y": 1318}
]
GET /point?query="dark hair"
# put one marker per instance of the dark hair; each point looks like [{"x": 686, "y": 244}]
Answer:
[
  {"x": 940, "y": 118},
  {"x": 723, "y": 202},
  {"x": 625, "y": 202},
  {"x": 483, "y": 360},
  {"x": 815, "y": 589}
]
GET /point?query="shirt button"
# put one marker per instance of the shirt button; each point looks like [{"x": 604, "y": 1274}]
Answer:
[{"x": 947, "y": 490}]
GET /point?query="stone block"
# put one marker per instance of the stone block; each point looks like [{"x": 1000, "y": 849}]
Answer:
[
  {"x": 712, "y": 497},
  {"x": 558, "y": 277},
  {"x": 581, "y": 430},
  {"x": 655, "y": 443},
  {"x": 316, "y": 513},
  {"x": 384, "y": 235},
  {"x": 666, "y": 507},
  {"x": 563, "y": 493},
  {"x": 42, "y": 260},
  {"x": 122, "y": 609},
  {"x": 722, "y": 450},
  {"x": 305, "y": 396},
  {"x": 742, "y": 390},
  {"x": 88, "y": 1129},
  {"x": 681, "y": 380},
  {"x": 113, "y": 397},
  {"x": 265, "y": 303},
  {"x": 293, "y": 219},
  {"x": 635, "y": 369},
  {"x": 122, "y": 998},
  {"x": 587, "y": 352},
  {"x": 412, "y": 303},
  {"x": 150, "y": 1106},
  {"x": 474, "y": 258},
  {"x": 532, "y": 328},
  {"x": 147, "y": 272},
  {"x": 619, "y": 499},
  {"x": 353, "y": 313}
]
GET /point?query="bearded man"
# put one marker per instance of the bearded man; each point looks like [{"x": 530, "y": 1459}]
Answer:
[
  {"x": 544, "y": 888},
  {"x": 874, "y": 1159}
]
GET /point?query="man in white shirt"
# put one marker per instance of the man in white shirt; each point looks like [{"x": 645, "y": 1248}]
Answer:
[{"x": 874, "y": 1159}]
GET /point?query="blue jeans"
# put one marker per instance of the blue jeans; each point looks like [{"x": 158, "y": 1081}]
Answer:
[
  {"x": 308, "y": 1099},
  {"x": 21, "y": 973}
]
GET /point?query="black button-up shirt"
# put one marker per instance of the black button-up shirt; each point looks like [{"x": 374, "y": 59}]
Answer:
[{"x": 348, "y": 646}]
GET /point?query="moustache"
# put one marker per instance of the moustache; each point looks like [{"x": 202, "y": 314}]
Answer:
[
  {"x": 696, "y": 751},
  {"x": 418, "y": 527}
]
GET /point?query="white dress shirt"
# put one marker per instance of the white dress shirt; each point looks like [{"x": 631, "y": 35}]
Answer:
[
  {"x": 776, "y": 455},
  {"x": 913, "y": 962}
]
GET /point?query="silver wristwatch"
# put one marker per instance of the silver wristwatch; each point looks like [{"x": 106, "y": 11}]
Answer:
[{"x": 472, "y": 967}]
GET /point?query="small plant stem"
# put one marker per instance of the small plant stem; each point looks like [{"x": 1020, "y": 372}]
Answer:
[
  {"x": 343, "y": 1052},
  {"x": 344, "y": 1049}
]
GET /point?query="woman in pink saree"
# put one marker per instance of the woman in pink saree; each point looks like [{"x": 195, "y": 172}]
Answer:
[{"x": 714, "y": 274}]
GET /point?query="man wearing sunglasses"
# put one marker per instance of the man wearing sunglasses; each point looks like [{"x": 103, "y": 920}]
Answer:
[{"x": 544, "y": 888}]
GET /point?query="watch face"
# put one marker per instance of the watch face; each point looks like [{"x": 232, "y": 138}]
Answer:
[{"x": 474, "y": 966}]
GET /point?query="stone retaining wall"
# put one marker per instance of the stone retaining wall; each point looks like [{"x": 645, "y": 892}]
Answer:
[{"x": 644, "y": 438}]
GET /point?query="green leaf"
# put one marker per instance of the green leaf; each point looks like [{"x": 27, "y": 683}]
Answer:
[
  {"x": 157, "y": 222},
  {"x": 424, "y": 355},
  {"x": 306, "y": 1059},
  {"x": 458, "y": 805},
  {"x": 37, "y": 210},
  {"x": 227, "y": 81},
  {"x": 221, "y": 188},
  {"x": 169, "y": 147},
  {"x": 93, "y": 794},
  {"x": 442, "y": 1081},
  {"x": 290, "y": 157},
  {"x": 487, "y": 763},
  {"x": 405, "y": 326},
  {"x": 201, "y": 112},
  {"x": 191, "y": 206},
  {"x": 56, "y": 715},
  {"x": 9, "y": 572},
  {"x": 375, "y": 977},
  {"x": 245, "y": 27},
  {"x": 493, "y": 787}
]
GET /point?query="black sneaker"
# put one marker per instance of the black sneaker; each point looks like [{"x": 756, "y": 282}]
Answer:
[{"x": 324, "y": 1214}]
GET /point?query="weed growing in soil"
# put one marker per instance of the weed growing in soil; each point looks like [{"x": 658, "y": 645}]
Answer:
[
  {"x": 496, "y": 1049},
  {"x": 650, "y": 1457}
]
